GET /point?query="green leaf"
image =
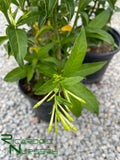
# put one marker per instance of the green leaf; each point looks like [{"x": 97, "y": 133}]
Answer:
[
  {"x": 22, "y": 4},
  {"x": 71, "y": 81},
  {"x": 44, "y": 29},
  {"x": 46, "y": 87},
  {"x": 14, "y": 14},
  {"x": 100, "y": 20},
  {"x": 29, "y": 18},
  {"x": 14, "y": 2},
  {"x": 70, "y": 7},
  {"x": 85, "y": 18},
  {"x": 46, "y": 69},
  {"x": 50, "y": 60},
  {"x": 15, "y": 75},
  {"x": 31, "y": 41},
  {"x": 8, "y": 49},
  {"x": 30, "y": 57},
  {"x": 29, "y": 72},
  {"x": 117, "y": 9},
  {"x": 4, "y": 6},
  {"x": 77, "y": 55},
  {"x": 112, "y": 3},
  {"x": 42, "y": 18},
  {"x": 2, "y": 39},
  {"x": 44, "y": 50},
  {"x": 76, "y": 106},
  {"x": 83, "y": 4},
  {"x": 38, "y": 84},
  {"x": 18, "y": 43},
  {"x": 89, "y": 68},
  {"x": 82, "y": 92},
  {"x": 50, "y": 4},
  {"x": 62, "y": 101},
  {"x": 100, "y": 34},
  {"x": 68, "y": 39}
]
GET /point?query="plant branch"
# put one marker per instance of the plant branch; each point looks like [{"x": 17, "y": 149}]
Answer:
[
  {"x": 77, "y": 15},
  {"x": 93, "y": 8},
  {"x": 7, "y": 18},
  {"x": 28, "y": 2},
  {"x": 57, "y": 36}
]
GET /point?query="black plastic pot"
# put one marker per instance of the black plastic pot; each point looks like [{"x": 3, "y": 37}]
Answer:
[
  {"x": 42, "y": 112},
  {"x": 95, "y": 57}
]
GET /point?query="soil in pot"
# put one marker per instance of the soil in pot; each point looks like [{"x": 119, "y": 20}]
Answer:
[
  {"x": 99, "y": 54},
  {"x": 44, "y": 110},
  {"x": 101, "y": 48},
  {"x": 28, "y": 89}
]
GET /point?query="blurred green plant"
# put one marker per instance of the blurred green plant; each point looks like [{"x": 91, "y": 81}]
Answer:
[{"x": 45, "y": 55}]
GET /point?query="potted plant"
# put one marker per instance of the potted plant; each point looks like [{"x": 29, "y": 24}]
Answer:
[
  {"x": 46, "y": 71},
  {"x": 103, "y": 41}
]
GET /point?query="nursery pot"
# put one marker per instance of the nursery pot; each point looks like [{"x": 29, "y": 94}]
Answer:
[
  {"x": 43, "y": 111},
  {"x": 95, "y": 57}
]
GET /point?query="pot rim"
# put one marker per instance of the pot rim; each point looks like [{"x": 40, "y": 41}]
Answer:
[
  {"x": 116, "y": 36},
  {"x": 28, "y": 97}
]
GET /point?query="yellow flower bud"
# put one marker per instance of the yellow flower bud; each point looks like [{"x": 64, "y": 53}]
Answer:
[
  {"x": 70, "y": 124},
  {"x": 36, "y": 26},
  {"x": 58, "y": 118},
  {"x": 51, "y": 120},
  {"x": 67, "y": 115},
  {"x": 27, "y": 8},
  {"x": 51, "y": 98},
  {"x": 67, "y": 109},
  {"x": 56, "y": 124},
  {"x": 48, "y": 22},
  {"x": 83, "y": 101},
  {"x": 41, "y": 101},
  {"x": 65, "y": 126},
  {"x": 35, "y": 106},
  {"x": 73, "y": 128},
  {"x": 49, "y": 128},
  {"x": 76, "y": 97},
  {"x": 62, "y": 71},
  {"x": 36, "y": 49},
  {"x": 67, "y": 97},
  {"x": 39, "y": 39}
]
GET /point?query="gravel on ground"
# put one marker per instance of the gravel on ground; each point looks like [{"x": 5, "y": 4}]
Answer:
[{"x": 98, "y": 137}]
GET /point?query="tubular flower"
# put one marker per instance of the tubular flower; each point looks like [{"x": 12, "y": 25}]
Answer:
[
  {"x": 51, "y": 98},
  {"x": 69, "y": 123},
  {"x": 67, "y": 115},
  {"x": 76, "y": 97},
  {"x": 66, "y": 127},
  {"x": 56, "y": 130},
  {"x": 58, "y": 118},
  {"x": 51, "y": 120},
  {"x": 67, "y": 97},
  {"x": 40, "y": 102},
  {"x": 67, "y": 108}
]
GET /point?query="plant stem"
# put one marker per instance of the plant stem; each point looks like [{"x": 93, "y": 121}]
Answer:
[
  {"x": 93, "y": 8},
  {"x": 57, "y": 36},
  {"x": 28, "y": 2},
  {"x": 8, "y": 20},
  {"x": 77, "y": 15}
]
